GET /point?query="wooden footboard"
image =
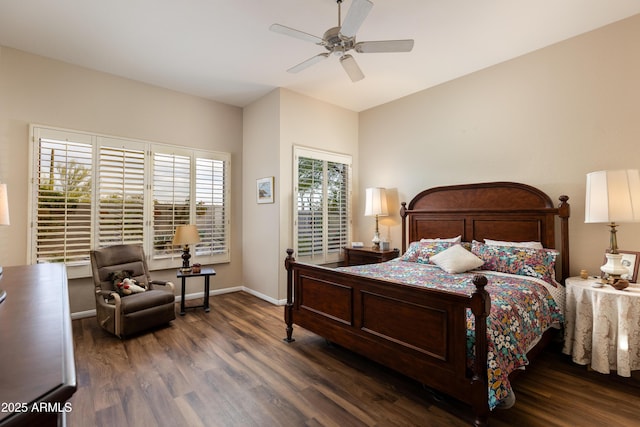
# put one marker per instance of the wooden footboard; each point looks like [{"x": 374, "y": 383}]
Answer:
[{"x": 416, "y": 331}]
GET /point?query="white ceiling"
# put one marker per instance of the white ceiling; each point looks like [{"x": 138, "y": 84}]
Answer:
[{"x": 223, "y": 50}]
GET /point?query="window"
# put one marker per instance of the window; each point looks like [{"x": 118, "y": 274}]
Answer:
[
  {"x": 120, "y": 190},
  {"x": 92, "y": 191},
  {"x": 62, "y": 193},
  {"x": 322, "y": 212}
]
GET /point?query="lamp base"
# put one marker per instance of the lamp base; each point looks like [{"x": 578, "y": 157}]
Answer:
[
  {"x": 376, "y": 241},
  {"x": 186, "y": 255},
  {"x": 614, "y": 266}
]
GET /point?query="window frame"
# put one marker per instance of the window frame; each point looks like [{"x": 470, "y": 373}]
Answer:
[
  {"x": 325, "y": 157},
  {"x": 172, "y": 259}
]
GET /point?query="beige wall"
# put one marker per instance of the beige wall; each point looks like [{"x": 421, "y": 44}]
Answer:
[
  {"x": 544, "y": 119},
  {"x": 272, "y": 126},
  {"x": 261, "y": 222},
  {"x": 34, "y": 89}
]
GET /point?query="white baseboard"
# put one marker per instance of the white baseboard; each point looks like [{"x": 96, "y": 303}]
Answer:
[
  {"x": 264, "y": 297},
  {"x": 196, "y": 295},
  {"x": 83, "y": 314}
]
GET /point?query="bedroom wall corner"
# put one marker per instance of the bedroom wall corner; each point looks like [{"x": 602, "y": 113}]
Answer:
[{"x": 261, "y": 222}]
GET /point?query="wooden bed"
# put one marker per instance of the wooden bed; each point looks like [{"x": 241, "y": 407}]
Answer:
[{"x": 418, "y": 331}]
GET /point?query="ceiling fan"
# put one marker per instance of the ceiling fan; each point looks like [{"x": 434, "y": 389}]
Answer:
[{"x": 341, "y": 39}]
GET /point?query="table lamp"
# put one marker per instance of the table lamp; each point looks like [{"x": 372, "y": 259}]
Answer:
[
  {"x": 613, "y": 197},
  {"x": 4, "y": 220},
  {"x": 376, "y": 205},
  {"x": 186, "y": 235}
]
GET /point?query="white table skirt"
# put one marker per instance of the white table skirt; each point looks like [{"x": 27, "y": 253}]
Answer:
[{"x": 602, "y": 326}]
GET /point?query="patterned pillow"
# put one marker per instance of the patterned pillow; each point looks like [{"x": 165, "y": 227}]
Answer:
[
  {"x": 411, "y": 254},
  {"x": 539, "y": 263},
  {"x": 420, "y": 252}
]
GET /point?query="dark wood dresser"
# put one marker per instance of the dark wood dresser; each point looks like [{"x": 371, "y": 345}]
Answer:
[{"x": 37, "y": 367}]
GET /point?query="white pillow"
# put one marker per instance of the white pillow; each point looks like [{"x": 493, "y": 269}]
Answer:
[
  {"x": 532, "y": 245},
  {"x": 456, "y": 259},
  {"x": 452, "y": 239}
]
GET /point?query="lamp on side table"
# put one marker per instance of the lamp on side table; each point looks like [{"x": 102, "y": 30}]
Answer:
[
  {"x": 376, "y": 205},
  {"x": 186, "y": 235},
  {"x": 613, "y": 197}
]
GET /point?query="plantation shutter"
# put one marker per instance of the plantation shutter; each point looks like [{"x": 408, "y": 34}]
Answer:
[
  {"x": 63, "y": 181},
  {"x": 90, "y": 191},
  {"x": 310, "y": 209},
  {"x": 337, "y": 207},
  {"x": 322, "y": 215},
  {"x": 171, "y": 188},
  {"x": 211, "y": 206},
  {"x": 121, "y": 178}
]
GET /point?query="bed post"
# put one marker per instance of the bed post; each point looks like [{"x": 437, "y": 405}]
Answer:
[
  {"x": 288, "y": 309},
  {"x": 564, "y": 211},
  {"x": 480, "y": 306},
  {"x": 403, "y": 214}
]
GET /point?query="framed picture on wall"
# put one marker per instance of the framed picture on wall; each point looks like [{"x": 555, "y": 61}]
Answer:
[
  {"x": 264, "y": 190},
  {"x": 630, "y": 259}
]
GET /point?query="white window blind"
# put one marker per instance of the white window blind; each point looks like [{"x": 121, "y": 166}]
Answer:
[
  {"x": 337, "y": 207},
  {"x": 121, "y": 181},
  {"x": 211, "y": 212},
  {"x": 92, "y": 191},
  {"x": 322, "y": 215},
  {"x": 171, "y": 201},
  {"x": 62, "y": 193}
]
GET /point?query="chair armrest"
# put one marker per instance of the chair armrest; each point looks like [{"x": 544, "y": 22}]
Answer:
[
  {"x": 107, "y": 295},
  {"x": 154, "y": 283}
]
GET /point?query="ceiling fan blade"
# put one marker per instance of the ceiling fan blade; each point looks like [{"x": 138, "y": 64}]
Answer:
[
  {"x": 308, "y": 63},
  {"x": 351, "y": 67},
  {"x": 355, "y": 17},
  {"x": 384, "y": 46},
  {"x": 277, "y": 28}
]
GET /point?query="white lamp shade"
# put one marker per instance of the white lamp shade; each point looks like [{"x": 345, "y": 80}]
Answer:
[
  {"x": 613, "y": 196},
  {"x": 186, "y": 235},
  {"x": 376, "y": 202},
  {"x": 4, "y": 205}
]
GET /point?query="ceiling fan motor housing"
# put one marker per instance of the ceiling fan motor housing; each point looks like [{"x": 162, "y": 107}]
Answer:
[{"x": 335, "y": 42}]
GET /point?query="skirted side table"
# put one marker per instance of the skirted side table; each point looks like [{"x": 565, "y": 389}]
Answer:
[{"x": 602, "y": 326}]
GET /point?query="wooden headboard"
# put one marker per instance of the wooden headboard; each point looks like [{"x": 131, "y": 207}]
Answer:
[{"x": 494, "y": 210}]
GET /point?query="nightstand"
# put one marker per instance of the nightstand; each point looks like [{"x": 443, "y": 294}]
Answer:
[
  {"x": 602, "y": 326},
  {"x": 359, "y": 256}
]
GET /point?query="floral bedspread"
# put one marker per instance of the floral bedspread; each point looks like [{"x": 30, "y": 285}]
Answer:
[{"x": 521, "y": 310}]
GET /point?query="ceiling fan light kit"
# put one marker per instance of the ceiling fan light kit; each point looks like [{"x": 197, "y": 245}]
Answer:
[{"x": 342, "y": 39}]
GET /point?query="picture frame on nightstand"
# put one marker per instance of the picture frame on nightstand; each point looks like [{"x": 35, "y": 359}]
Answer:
[{"x": 631, "y": 260}]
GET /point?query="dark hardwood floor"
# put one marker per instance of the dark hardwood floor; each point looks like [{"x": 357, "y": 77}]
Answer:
[{"x": 230, "y": 367}]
